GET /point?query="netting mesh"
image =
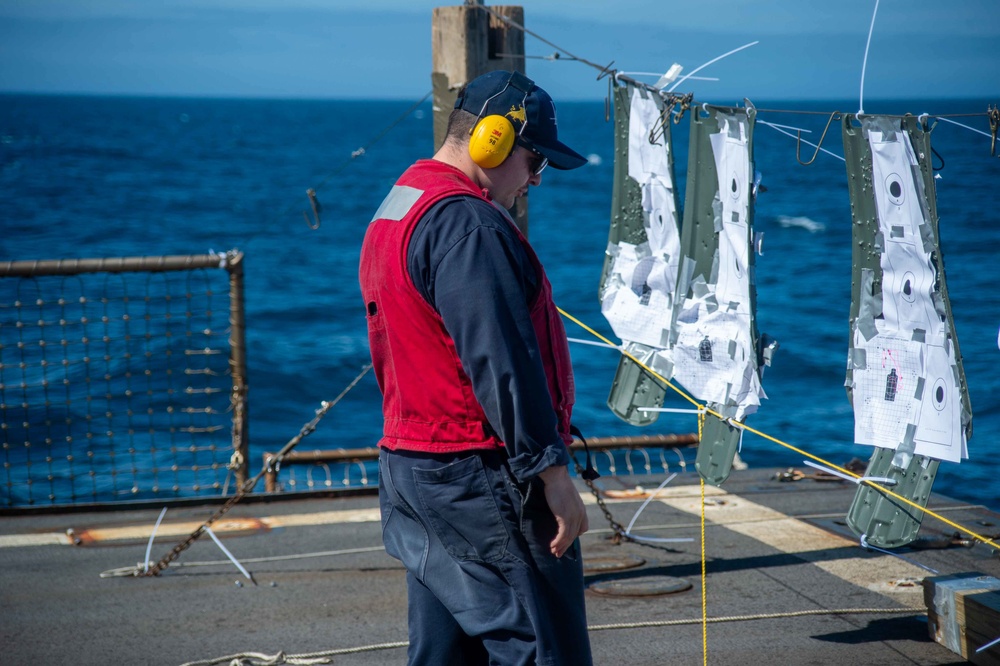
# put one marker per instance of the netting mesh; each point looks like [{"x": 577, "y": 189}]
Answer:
[{"x": 114, "y": 386}]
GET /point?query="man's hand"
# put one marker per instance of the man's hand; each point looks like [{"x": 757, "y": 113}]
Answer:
[{"x": 565, "y": 503}]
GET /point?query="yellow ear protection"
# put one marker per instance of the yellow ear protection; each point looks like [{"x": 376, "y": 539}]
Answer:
[{"x": 494, "y": 137}]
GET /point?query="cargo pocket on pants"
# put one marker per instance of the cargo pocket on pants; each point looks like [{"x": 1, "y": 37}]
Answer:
[
  {"x": 460, "y": 508},
  {"x": 403, "y": 536}
]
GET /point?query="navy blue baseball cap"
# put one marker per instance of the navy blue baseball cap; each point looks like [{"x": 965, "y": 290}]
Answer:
[{"x": 529, "y": 108}]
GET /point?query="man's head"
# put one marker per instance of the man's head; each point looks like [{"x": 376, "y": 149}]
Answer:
[{"x": 498, "y": 98}]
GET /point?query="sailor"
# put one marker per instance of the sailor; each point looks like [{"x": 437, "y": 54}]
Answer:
[{"x": 473, "y": 364}]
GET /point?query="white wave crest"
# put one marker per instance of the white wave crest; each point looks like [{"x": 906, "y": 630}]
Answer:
[{"x": 812, "y": 226}]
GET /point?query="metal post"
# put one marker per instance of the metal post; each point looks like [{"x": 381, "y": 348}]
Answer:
[
  {"x": 238, "y": 367},
  {"x": 466, "y": 41}
]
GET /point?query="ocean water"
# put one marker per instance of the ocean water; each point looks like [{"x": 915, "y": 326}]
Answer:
[{"x": 88, "y": 177}]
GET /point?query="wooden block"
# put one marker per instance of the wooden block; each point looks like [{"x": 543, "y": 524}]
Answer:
[
  {"x": 982, "y": 626},
  {"x": 963, "y": 613}
]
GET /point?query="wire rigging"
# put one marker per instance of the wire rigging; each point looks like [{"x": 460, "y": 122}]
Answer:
[
  {"x": 864, "y": 63},
  {"x": 312, "y": 215},
  {"x": 710, "y": 62},
  {"x": 867, "y": 481}
]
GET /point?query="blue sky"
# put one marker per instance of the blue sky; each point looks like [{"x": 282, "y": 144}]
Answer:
[{"x": 808, "y": 49}]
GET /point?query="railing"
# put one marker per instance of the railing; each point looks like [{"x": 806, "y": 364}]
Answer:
[
  {"x": 121, "y": 379},
  {"x": 356, "y": 468}
]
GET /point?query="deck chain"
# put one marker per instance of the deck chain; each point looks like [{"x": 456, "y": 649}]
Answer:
[
  {"x": 620, "y": 534},
  {"x": 248, "y": 486}
]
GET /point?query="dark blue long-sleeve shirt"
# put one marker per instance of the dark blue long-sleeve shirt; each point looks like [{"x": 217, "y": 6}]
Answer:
[{"x": 466, "y": 260}]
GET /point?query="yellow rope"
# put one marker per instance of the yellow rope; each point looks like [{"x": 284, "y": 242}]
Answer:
[
  {"x": 704, "y": 576},
  {"x": 625, "y": 353},
  {"x": 758, "y": 616},
  {"x": 704, "y": 409}
]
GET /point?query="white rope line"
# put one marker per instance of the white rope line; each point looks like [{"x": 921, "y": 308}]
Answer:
[
  {"x": 282, "y": 658},
  {"x": 670, "y": 410},
  {"x": 594, "y": 343},
  {"x": 130, "y": 571},
  {"x": 278, "y": 558},
  {"x": 948, "y": 120},
  {"x": 710, "y": 62},
  {"x": 868, "y": 546},
  {"x": 757, "y": 521},
  {"x": 736, "y": 424},
  {"x": 789, "y": 127},
  {"x": 988, "y": 645},
  {"x": 152, "y": 535},
  {"x": 690, "y": 78},
  {"x": 652, "y": 495},
  {"x": 229, "y": 555},
  {"x": 778, "y": 129},
  {"x": 884, "y": 480},
  {"x": 864, "y": 63}
]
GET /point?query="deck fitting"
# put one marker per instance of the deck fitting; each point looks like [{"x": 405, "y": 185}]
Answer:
[{"x": 647, "y": 586}]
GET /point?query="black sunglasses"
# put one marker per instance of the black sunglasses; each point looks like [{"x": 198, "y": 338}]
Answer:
[{"x": 539, "y": 162}]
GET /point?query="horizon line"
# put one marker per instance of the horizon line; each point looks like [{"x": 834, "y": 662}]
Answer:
[{"x": 332, "y": 98}]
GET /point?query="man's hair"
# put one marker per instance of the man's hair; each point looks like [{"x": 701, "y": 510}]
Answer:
[{"x": 460, "y": 126}]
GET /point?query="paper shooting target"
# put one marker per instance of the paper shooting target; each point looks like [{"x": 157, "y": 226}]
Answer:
[
  {"x": 732, "y": 165},
  {"x": 705, "y": 350},
  {"x": 939, "y": 395},
  {"x": 939, "y": 426},
  {"x": 908, "y": 290},
  {"x": 888, "y": 406},
  {"x": 735, "y": 186},
  {"x": 891, "y": 385},
  {"x": 894, "y": 189},
  {"x": 640, "y": 278}
]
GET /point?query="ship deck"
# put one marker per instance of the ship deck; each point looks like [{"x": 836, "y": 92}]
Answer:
[{"x": 786, "y": 581}]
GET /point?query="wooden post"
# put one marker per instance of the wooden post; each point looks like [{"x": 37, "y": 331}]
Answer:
[{"x": 468, "y": 41}]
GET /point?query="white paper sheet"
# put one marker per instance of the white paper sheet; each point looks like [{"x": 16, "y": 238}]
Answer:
[
  {"x": 732, "y": 162},
  {"x": 660, "y": 221},
  {"x": 884, "y": 390},
  {"x": 907, "y": 285},
  {"x": 638, "y": 295},
  {"x": 939, "y": 426},
  {"x": 649, "y": 165},
  {"x": 635, "y": 302},
  {"x": 895, "y": 362},
  {"x": 644, "y": 158},
  {"x": 713, "y": 358},
  {"x": 908, "y": 274},
  {"x": 702, "y": 363}
]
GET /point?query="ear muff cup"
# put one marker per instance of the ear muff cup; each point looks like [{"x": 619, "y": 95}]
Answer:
[{"x": 492, "y": 141}]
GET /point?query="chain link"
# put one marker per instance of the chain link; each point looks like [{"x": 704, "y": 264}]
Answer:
[
  {"x": 620, "y": 534},
  {"x": 248, "y": 486}
]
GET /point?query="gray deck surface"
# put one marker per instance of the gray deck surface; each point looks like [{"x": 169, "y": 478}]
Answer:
[{"x": 57, "y": 609}]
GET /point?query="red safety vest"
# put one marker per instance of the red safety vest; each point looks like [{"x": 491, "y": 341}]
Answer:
[{"x": 428, "y": 403}]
